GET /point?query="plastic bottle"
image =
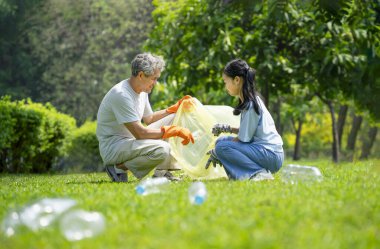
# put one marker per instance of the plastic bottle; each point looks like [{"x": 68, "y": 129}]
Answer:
[
  {"x": 296, "y": 173},
  {"x": 80, "y": 224},
  {"x": 197, "y": 193},
  {"x": 44, "y": 212},
  {"x": 10, "y": 224},
  {"x": 152, "y": 186}
]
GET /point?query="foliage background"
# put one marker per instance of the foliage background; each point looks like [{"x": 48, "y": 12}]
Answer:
[{"x": 314, "y": 58}]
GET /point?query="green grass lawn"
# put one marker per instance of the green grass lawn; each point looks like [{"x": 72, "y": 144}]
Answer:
[{"x": 342, "y": 211}]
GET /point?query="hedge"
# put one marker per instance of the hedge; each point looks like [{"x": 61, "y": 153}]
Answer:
[
  {"x": 33, "y": 136},
  {"x": 83, "y": 154}
]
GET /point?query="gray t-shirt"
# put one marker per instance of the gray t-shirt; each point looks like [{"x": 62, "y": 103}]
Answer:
[
  {"x": 259, "y": 129},
  {"x": 120, "y": 105}
]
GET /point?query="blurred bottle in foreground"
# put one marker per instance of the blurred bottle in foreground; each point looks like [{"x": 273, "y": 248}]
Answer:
[
  {"x": 292, "y": 173},
  {"x": 37, "y": 215},
  {"x": 80, "y": 224},
  {"x": 152, "y": 186},
  {"x": 44, "y": 213},
  {"x": 197, "y": 193}
]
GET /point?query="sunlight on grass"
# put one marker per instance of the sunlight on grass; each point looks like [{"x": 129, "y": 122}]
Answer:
[{"x": 340, "y": 212}]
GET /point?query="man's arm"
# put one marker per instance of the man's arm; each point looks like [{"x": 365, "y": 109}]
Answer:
[
  {"x": 141, "y": 132},
  {"x": 163, "y": 113},
  {"x": 155, "y": 116}
]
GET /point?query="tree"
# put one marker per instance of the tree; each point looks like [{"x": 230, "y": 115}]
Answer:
[
  {"x": 315, "y": 44},
  {"x": 17, "y": 71},
  {"x": 72, "y": 52},
  {"x": 92, "y": 44},
  {"x": 296, "y": 106},
  {"x": 356, "y": 123},
  {"x": 341, "y": 37},
  {"x": 368, "y": 142},
  {"x": 341, "y": 122}
]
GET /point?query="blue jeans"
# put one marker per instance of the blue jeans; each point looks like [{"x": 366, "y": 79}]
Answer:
[{"x": 243, "y": 160}]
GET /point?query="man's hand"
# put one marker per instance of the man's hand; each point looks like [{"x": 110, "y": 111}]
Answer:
[
  {"x": 212, "y": 159},
  {"x": 177, "y": 131},
  {"x": 219, "y": 128},
  {"x": 174, "y": 108}
]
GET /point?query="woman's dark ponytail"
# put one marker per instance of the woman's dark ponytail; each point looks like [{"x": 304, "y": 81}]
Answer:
[{"x": 240, "y": 68}]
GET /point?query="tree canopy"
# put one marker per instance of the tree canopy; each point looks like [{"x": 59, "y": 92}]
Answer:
[{"x": 70, "y": 53}]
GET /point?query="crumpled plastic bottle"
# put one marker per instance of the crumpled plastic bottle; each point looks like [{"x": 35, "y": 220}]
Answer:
[
  {"x": 152, "y": 186},
  {"x": 37, "y": 215},
  {"x": 41, "y": 214},
  {"x": 293, "y": 173},
  {"x": 197, "y": 193},
  {"x": 80, "y": 224},
  {"x": 11, "y": 224}
]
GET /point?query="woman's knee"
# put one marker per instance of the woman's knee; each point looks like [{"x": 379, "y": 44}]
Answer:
[
  {"x": 223, "y": 139},
  {"x": 221, "y": 148}
]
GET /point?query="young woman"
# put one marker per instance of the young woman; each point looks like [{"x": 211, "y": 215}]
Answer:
[{"x": 256, "y": 151}]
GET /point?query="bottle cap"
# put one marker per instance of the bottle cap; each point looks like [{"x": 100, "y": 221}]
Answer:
[{"x": 140, "y": 190}]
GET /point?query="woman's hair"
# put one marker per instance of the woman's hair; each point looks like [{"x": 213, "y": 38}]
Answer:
[
  {"x": 240, "y": 68},
  {"x": 147, "y": 63}
]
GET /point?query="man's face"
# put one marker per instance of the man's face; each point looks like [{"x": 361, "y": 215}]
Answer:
[{"x": 148, "y": 82}]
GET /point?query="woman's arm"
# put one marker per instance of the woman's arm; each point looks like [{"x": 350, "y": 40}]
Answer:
[{"x": 234, "y": 130}]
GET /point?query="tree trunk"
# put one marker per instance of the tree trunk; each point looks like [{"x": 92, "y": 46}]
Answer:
[
  {"x": 356, "y": 123},
  {"x": 341, "y": 121},
  {"x": 335, "y": 144},
  {"x": 297, "y": 145},
  {"x": 368, "y": 143}
]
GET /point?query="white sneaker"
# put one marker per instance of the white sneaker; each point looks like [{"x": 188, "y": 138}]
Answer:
[{"x": 262, "y": 175}]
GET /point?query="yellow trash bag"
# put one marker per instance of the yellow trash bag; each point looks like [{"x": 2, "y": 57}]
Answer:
[{"x": 199, "y": 120}]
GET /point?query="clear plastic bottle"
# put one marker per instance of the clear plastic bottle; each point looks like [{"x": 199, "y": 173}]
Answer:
[
  {"x": 42, "y": 213},
  {"x": 79, "y": 224},
  {"x": 152, "y": 186},
  {"x": 197, "y": 193},
  {"x": 296, "y": 173},
  {"x": 10, "y": 224}
]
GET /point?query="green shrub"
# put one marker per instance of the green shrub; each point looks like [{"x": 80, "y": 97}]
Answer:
[
  {"x": 84, "y": 151},
  {"x": 33, "y": 135}
]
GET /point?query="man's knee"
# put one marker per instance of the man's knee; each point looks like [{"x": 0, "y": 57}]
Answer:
[{"x": 161, "y": 153}]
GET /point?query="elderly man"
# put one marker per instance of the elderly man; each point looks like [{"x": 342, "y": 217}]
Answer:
[{"x": 125, "y": 143}]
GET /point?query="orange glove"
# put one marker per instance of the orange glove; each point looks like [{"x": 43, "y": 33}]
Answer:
[
  {"x": 177, "y": 131},
  {"x": 174, "y": 108},
  {"x": 188, "y": 105}
]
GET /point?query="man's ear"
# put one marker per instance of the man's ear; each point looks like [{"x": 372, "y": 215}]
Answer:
[{"x": 140, "y": 74}]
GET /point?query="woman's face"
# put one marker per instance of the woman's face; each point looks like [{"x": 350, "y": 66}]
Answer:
[{"x": 233, "y": 85}]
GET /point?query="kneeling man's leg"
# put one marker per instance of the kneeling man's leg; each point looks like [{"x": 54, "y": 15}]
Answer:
[
  {"x": 142, "y": 156},
  {"x": 170, "y": 163}
]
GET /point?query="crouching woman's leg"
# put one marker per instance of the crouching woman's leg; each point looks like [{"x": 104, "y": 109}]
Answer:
[{"x": 240, "y": 160}]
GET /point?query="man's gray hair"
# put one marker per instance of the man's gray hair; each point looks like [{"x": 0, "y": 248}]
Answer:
[{"x": 147, "y": 63}]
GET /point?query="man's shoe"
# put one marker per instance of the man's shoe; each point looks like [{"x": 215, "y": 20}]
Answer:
[
  {"x": 116, "y": 177},
  {"x": 166, "y": 174}
]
